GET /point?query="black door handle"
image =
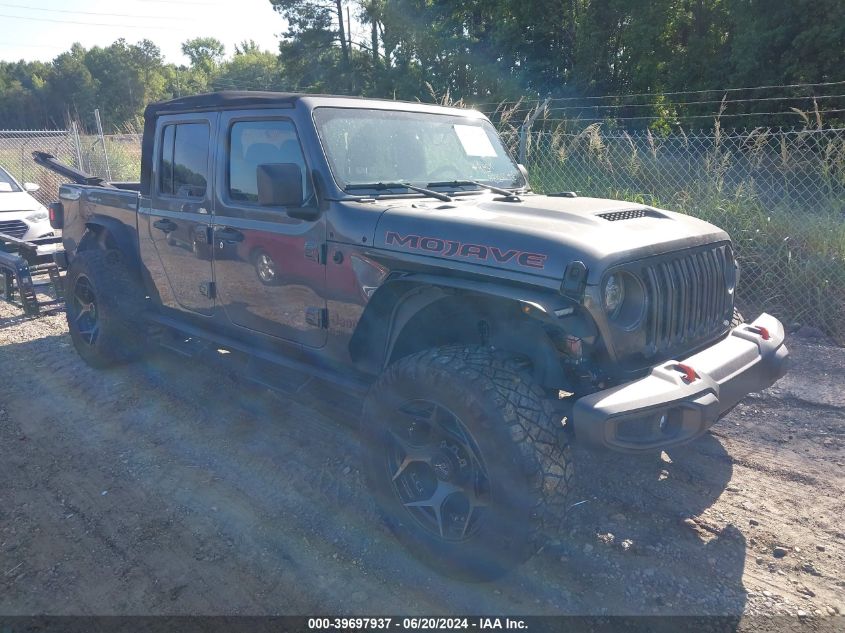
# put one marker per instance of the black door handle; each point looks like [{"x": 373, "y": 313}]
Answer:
[
  {"x": 165, "y": 225},
  {"x": 228, "y": 235}
]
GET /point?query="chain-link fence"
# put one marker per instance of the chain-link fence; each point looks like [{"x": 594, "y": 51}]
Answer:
[
  {"x": 779, "y": 193},
  {"x": 16, "y": 147},
  {"x": 114, "y": 157}
]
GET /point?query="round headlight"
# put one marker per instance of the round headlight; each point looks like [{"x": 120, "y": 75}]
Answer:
[
  {"x": 614, "y": 295},
  {"x": 624, "y": 299}
]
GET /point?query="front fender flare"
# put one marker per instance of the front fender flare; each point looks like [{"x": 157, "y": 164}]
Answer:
[
  {"x": 545, "y": 300},
  {"x": 400, "y": 299}
]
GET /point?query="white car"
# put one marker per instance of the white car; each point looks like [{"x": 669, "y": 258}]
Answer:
[{"x": 21, "y": 215}]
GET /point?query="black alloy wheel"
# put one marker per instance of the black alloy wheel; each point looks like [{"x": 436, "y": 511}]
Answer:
[
  {"x": 84, "y": 312},
  {"x": 436, "y": 470}
]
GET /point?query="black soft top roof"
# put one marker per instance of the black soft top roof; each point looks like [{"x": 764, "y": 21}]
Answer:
[
  {"x": 238, "y": 99},
  {"x": 221, "y": 100},
  {"x": 231, "y": 99}
]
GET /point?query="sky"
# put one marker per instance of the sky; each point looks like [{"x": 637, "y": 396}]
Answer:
[{"x": 42, "y": 29}]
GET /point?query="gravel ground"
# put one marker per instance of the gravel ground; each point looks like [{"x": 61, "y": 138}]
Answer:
[{"x": 169, "y": 487}]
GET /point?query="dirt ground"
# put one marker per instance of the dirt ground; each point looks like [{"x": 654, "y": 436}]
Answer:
[{"x": 169, "y": 487}]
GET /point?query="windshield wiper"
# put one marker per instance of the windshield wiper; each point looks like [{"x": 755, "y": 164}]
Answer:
[
  {"x": 398, "y": 185},
  {"x": 511, "y": 195}
]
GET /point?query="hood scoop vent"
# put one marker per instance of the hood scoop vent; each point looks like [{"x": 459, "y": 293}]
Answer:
[{"x": 630, "y": 214}]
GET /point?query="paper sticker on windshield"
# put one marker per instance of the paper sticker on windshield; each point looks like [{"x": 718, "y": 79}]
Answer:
[
  {"x": 475, "y": 140},
  {"x": 5, "y": 186}
]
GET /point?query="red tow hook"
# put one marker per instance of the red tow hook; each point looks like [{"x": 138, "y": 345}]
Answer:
[
  {"x": 690, "y": 374},
  {"x": 763, "y": 332}
]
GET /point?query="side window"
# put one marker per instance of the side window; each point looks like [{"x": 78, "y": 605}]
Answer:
[
  {"x": 184, "y": 160},
  {"x": 254, "y": 143}
]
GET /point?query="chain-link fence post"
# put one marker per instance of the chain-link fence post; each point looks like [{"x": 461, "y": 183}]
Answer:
[
  {"x": 102, "y": 140},
  {"x": 77, "y": 144}
]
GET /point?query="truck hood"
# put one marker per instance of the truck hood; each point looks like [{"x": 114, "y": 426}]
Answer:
[
  {"x": 540, "y": 235},
  {"x": 18, "y": 201}
]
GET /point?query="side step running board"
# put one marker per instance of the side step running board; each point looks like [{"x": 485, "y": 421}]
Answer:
[{"x": 347, "y": 383}]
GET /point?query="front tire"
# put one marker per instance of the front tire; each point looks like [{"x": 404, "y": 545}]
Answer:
[
  {"x": 468, "y": 465},
  {"x": 102, "y": 304}
]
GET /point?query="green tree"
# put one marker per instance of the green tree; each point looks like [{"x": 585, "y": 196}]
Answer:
[
  {"x": 786, "y": 42},
  {"x": 315, "y": 49},
  {"x": 22, "y": 99},
  {"x": 128, "y": 77},
  {"x": 479, "y": 50},
  {"x": 205, "y": 53},
  {"x": 250, "y": 69},
  {"x": 71, "y": 90}
]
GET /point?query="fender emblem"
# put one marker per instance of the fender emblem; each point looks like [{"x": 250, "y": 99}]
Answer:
[{"x": 478, "y": 252}]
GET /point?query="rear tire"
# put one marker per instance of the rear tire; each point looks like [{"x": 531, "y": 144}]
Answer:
[
  {"x": 468, "y": 466},
  {"x": 103, "y": 302},
  {"x": 737, "y": 319}
]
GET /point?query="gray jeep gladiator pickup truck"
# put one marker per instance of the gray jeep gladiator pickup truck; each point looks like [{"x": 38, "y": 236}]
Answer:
[{"x": 397, "y": 251}]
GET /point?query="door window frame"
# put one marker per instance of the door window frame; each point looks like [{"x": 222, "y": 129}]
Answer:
[
  {"x": 246, "y": 208},
  {"x": 165, "y": 122}
]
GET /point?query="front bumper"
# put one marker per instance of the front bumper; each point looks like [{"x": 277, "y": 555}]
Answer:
[{"x": 664, "y": 408}]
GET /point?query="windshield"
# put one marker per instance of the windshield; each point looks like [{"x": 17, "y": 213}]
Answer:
[
  {"x": 7, "y": 183},
  {"x": 387, "y": 146}
]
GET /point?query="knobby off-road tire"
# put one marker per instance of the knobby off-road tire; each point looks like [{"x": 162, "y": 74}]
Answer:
[
  {"x": 469, "y": 420},
  {"x": 737, "y": 319},
  {"x": 103, "y": 302}
]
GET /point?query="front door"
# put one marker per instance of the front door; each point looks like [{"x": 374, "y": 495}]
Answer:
[
  {"x": 181, "y": 213},
  {"x": 268, "y": 266}
]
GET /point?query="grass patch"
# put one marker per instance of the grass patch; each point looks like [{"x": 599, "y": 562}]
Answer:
[{"x": 787, "y": 219}]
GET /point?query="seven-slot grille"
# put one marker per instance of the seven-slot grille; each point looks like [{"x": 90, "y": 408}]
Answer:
[
  {"x": 15, "y": 228},
  {"x": 688, "y": 298}
]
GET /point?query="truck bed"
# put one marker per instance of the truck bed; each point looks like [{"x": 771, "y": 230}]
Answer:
[{"x": 85, "y": 205}]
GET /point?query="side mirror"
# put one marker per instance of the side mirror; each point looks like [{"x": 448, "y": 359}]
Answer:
[
  {"x": 279, "y": 185},
  {"x": 31, "y": 186}
]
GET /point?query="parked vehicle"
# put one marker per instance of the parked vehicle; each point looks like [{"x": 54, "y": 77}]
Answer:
[
  {"x": 397, "y": 251},
  {"x": 21, "y": 215}
]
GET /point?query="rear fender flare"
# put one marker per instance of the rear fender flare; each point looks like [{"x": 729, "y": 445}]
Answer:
[
  {"x": 104, "y": 232},
  {"x": 103, "y": 227}
]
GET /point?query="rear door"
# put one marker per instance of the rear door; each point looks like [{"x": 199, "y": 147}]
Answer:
[
  {"x": 268, "y": 267},
  {"x": 181, "y": 210}
]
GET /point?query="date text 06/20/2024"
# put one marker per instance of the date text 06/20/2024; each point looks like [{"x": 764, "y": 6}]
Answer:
[{"x": 420, "y": 623}]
